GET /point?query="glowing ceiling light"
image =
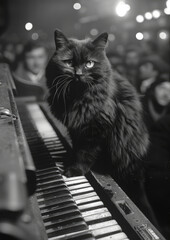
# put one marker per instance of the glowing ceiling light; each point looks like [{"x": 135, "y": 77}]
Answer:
[
  {"x": 168, "y": 4},
  {"x": 163, "y": 35},
  {"x": 77, "y": 6},
  {"x": 28, "y": 26},
  {"x": 156, "y": 13},
  {"x": 111, "y": 37},
  {"x": 167, "y": 11},
  {"x": 139, "y": 18},
  {"x": 94, "y": 31},
  {"x": 122, "y": 9},
  {"x": 35, "y": 36},
  {"x": 139, "y": 36},
  {"x": 148, "y": 15}
]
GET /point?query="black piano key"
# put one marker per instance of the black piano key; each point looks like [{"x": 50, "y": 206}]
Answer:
[
  {"x": 48, "y": 169},
  {"x": 81, "y": 235},
  {"x": 50, "y": 190},
  {"x": 48, "y": 183},
  {"x": 59, "y": 209},
  {"x": 59, "y": 213},
  {"x": 64, "y": 220},
  {"x": 50, "y": 194},
  {"x": 48, "y": 178},
  {"x": 47, "y": 188},
  {"x": 53, "y": 198},
  {"x": 66, "y": 205},
  {"x": 58, "y": 200},
  {"x": 52, "y": 207},
  {"x": 47, "y": 175},
  {"x": 73, "y": 227}
]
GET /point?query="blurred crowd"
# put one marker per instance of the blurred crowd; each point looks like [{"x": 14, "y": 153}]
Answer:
[{"x": 148, "y": 71}]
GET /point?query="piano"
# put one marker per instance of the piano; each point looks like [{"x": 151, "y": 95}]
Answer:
[{"x": 36, "y": 201}]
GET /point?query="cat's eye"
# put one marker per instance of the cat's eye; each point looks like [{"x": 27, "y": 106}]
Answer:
[
  {"x": 68, "y": 62},
  {"x": 89, "y": 64}
]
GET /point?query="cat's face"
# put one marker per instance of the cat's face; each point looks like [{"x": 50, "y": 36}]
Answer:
[{"x": 81, "y": 62}]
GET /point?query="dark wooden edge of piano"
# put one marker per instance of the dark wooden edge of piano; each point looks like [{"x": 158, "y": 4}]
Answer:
[{"x": 23, "y": 221}]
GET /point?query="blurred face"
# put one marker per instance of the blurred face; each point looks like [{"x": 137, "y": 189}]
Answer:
[
  {"x": 162, "y": 93},
  {"x": 147, "y": 71},
  {"x": 132, "y": 58},
  {"x": 36, "y": 60}
]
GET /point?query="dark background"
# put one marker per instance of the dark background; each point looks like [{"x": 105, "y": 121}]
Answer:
[{"x": 46, "y": 15}]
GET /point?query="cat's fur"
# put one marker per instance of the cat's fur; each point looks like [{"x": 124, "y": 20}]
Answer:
[{"x": 100, "y": 108}]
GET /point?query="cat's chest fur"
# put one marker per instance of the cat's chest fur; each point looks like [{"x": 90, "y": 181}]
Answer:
[{"x": 90, "y": 112}]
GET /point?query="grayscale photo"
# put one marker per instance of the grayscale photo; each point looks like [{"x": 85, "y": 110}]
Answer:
[{"x": 85, "y": 120}]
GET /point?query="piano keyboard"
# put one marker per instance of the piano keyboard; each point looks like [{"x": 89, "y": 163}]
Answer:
[{"x": 70, "y": 207}]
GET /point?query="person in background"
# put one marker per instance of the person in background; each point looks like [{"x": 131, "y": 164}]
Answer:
[
  {"x": 117, "y": 63},
  {"x": 149, "y": 70},
  {"x": 156, "y": 101},
  {"x": 157, "y": 179},
  {"x": 32, "y": 66},
  {"x": 29, "y": 75},
  {"x": 8, "y": 54},
  {"x": 132, "y": 58},
  {"x": 149, "y": 49}
]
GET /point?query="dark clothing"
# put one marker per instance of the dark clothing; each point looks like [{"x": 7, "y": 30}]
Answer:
[
  {"x": 158, "y": 172},
  {"x": 27, "y": 87}
]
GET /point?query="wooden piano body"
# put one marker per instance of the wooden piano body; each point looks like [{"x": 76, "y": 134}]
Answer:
[{"x": 36, "y": 201}]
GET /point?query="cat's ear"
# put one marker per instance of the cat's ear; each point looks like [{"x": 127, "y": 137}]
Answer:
[
  {"x": 101, "y": 40},
  {"x": 60, "y": 39}
]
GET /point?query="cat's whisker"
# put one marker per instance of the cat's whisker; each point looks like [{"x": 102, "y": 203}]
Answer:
[
  {"x": 59, "y": 88},
  {"x": 61, "y": 75},
  {"x": 59, "y": 81},
  {"x": 64, "y": 92},
  {"x": 64, "y": 97}
]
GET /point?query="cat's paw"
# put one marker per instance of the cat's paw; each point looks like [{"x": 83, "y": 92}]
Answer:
[{"x": 72, "y": 172}]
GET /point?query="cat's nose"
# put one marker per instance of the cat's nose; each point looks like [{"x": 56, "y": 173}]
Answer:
[{"x": 78, "y": 73}]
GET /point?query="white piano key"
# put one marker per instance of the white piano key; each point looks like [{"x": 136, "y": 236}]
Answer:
[
  {"x": 86, "y": 200},
  {"x": 86, "y": 195},
  {"x": 73, "y": 178},
  {"x": 80, "y": 191},
  {"x": 77, "y": 181},
  {"x": 43, "y": 126},
  {"x": 92, "y": 212},
  {"x": 103, "y": 224},
  {"x": 88, "y": 206},
  {"x": 99, "y": 217},
  {"x": 79, "y": 186},
  {"x": 106, "y": 230},
  {"x": 117, "y": 236}
]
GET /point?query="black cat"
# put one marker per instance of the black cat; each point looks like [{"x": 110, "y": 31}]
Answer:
[{"x": 100, "y": 108}]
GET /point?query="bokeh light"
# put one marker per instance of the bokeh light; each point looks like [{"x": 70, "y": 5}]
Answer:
[
  {"x": 122, "y": 9},
  {"x": 163, "y": 35},
  {"x": 156, "y": 13},
  {"x": 94, "y": 31},
  {"x": 28, "y": 26},
  {"x": 148, "y": 15},
  {"x": 77, "y": 6},
  {"x": 168, "y": 4},
  {"x": 111, "y": 37},
  {"x": 139, "y": 18},
  {"x": 167, "y": 11},
  {"x": 35, "y": 36},
  {"x": 139, "y": 36}
]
